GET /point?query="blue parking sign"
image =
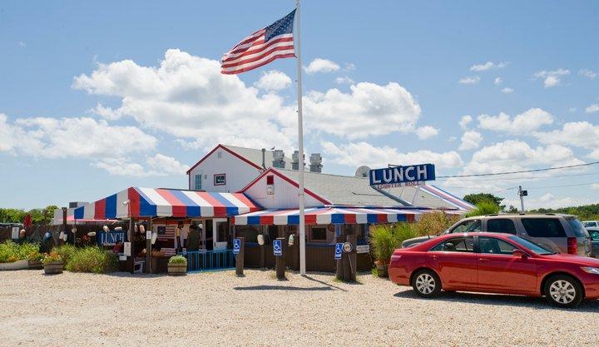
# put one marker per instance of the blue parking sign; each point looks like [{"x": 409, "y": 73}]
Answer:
[
  {"x": 338, "y": 250},
  {"x": 236, "y": 246},
  {"x": 277, "y": 247}
]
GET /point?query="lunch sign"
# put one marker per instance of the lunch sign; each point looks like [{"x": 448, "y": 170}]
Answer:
[{"x": 398, "y": 176}]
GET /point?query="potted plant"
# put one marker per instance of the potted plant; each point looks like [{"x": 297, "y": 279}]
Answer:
[
  {"x": 383, "y": 244},
  {"x": 53, "y": 264},
  {"x": 35, "y": 259},
  {"x": 177, "y": 265}
]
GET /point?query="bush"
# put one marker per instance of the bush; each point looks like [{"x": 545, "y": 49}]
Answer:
[
  {"x": 385, "y": 238},
  {"x": 177, "y": 259},
  {"x": 434, "y": 223},
  {"x": 92, "y": 259},
  {"x": 66, "y": 251},
  {"x": 11, "y": 252},
  {"x": 482, "y": 209}
]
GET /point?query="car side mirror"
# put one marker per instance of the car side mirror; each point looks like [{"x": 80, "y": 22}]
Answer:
[{"x": 519, "y": 253}]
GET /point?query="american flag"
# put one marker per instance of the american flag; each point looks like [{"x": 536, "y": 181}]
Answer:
[{"x": 260, "y": 48}]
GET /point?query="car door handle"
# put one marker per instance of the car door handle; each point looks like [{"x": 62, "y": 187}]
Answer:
[
  {"x": 434, "y": 257},
  {"x": 483, "y": 260}
]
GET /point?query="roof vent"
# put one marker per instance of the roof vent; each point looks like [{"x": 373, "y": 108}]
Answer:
[
  {"x": 315, "y": 162},
  {"x": 278, "y": 159},
  {"x": 295, "y": 161}
]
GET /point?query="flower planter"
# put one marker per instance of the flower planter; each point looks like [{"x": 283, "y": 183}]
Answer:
[
  {"x": 35, "y": 264},
  {"x": 53, "y": 268},
  {"x": 178, "y": 269},
  {"x": 17, "y": 265}
]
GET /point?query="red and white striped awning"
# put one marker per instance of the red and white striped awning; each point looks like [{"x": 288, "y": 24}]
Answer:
[
  {"x": 148, "y": 203},
  {"x": 328, "y": 215}
]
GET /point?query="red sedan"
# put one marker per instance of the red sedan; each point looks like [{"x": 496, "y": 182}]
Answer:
[{"x": 495, "y": 263}]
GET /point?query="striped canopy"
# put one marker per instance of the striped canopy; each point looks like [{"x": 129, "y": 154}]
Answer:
[
  {"x": 148, "y": 202},
  {"x": 328, "y": 215}
]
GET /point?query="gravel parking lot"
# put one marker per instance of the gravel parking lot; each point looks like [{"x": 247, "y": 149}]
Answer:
[{"x": 218, "y": 308}]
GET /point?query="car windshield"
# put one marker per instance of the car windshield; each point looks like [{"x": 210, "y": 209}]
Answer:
[
  {"x": 594, "y": 235},
  {"x": 537, "y": 249}
]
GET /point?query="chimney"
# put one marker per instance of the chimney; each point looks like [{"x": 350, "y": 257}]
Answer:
[
  {"x": 295, "y": 161},
  {"x": 264, "y": 158},
  {"x": 315, "y": 163},
  {"x": 278, "y": 159}
]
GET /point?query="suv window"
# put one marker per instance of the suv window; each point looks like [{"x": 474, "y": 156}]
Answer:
[
  {"x": 577, "y": 227},
  {"x": 543, "y": 227},
  {"x": 456, "y": 244},
  {"x": 467, "y": 226},
  {"x": 501, "y": 225}
]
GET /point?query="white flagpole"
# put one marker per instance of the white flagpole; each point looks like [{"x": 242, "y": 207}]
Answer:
[{"x": 300, "y": 126}]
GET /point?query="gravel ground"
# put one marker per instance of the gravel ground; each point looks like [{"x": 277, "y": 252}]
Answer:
[{"x": 218, "y": 308}]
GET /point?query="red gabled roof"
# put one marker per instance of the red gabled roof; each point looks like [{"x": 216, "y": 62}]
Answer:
[
  {"x": 221, "y": 146},
  {"x": 289, "y": 180}
]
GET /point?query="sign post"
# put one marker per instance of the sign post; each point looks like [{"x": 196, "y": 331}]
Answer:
[
  {"x": 239, "y": 252},
  {"x": 277, "y": 247}
]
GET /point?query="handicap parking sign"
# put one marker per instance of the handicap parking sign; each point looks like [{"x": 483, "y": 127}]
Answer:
[
  {"x": 277, "y": 247},
  {"x": 338, "y": 250},
  {"x": 236, "y": 246}
]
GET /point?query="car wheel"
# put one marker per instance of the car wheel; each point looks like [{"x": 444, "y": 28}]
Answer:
[
  {"x": 426, "y": 283},
  {"x": 563, "y": 291}
]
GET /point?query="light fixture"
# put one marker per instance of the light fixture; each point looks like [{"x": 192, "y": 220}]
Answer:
[
  {"x": 261, "y": 239},
  {"x": 105, "y": 228}
]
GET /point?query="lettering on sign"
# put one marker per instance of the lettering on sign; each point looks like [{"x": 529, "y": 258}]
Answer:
[{"x": 402, "y": 174}]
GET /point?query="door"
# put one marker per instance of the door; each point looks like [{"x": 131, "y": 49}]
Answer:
[
  {"x": 500, "y": 271},
  {"x": 455, "y": 262},
  {"x": 220, "y": 234}
]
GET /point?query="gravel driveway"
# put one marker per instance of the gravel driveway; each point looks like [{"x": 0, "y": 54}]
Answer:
[{"x": 218, "y": 308}]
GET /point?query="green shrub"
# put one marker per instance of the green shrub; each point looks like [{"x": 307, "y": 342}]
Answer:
[
  {"x": 92, "y": 259},
  {"x": 66, "y": 251},
  {"x": 51, "y": 258},
  {"x": 434, "y": 223},
  {"x": 177, "y": 259},
  {"x": 11, "y": 252},
  {"x": 482, "y": 209}
]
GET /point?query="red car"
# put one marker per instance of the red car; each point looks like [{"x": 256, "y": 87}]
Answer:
[{"x": 495, "y": 263}]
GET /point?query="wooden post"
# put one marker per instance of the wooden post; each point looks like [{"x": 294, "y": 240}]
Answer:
[
  {"x": 240, "y": 258},
  {"x": 352, "y": 257},
  {"x": 148, "y": 266},
  {"x": 280, "y": 261},
  {"x": 64, "y": 222},
  {"x": 131, "y": 260},
  {"x": 339, "y": 272}
]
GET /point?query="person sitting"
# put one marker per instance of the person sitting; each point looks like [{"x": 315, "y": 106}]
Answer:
[
  {"x": 22, "y": 237},
  {"x": 118, "y": 247},
  {"x": 47, "y": 243}
]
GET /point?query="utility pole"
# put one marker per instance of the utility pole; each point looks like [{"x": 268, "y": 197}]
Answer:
[{"x": 522, "y": 194}]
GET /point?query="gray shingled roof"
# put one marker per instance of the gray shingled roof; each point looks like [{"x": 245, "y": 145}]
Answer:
[
  {"x": 342, "y": 190},
  {"x": 418, "y": 197},
  {"x": 255, "y": 156}
]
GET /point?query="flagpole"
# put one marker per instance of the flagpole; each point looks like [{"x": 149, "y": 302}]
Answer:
[{"x": 300, "y": 127}]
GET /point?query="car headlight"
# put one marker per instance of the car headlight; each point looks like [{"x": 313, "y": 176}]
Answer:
[{"x": 590, "y": 270}]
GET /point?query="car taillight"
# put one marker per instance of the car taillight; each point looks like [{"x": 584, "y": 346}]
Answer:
[{"x": 572, "y": 245}]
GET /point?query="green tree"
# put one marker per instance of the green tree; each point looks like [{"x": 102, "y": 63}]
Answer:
[{"x": 478, "y": 198}]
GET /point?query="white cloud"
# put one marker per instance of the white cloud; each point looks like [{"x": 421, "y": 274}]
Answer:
[
  {"x": 523, "y": 123},
  {"x": 488, "y": 66},
  {"x": 572, "y": 109},
  {"x": 498, "y": 80},
  {"x": 517, "y": 155},
  {"x": 273, "y": 80},
  {"x": 426, "y": 132},
  {"x": 470, "y": 140},
  {"x": 469, "y": 80},
  {"x": 22, "y": 44},
  {"x": 467, "y": 119},
  {"x": 349, "y": 67},
  {"x": 168, "y": 165},
  {"x": 188, "y": 97},
  {"x": 595, "y": 186},
  {"x": 579, "y": 134},
  {"x": 587, "y": 73},
  {"x": 319, "y": 65},
  {"x": 71, "y": 137},
  {"x": 551, "y": 78},
  {"x": 363, "y": 153},
  {"x": 361, "y": 112},
  {"x": 157, "y": 166},
  {"x": 507, "y": 90},
  {"x": 547, "y": 200},
  {"x": 592, "y": 108},
  {"x": 344, "y": 80}
]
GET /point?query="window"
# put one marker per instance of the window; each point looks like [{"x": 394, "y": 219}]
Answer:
[
  {"x": 467, "y": 226},
  {"x": 318, "y": 234},
  {"x": 492, "y": 245},
  {"x": 220, "y": 179},
  {"x": 197, "y": 185},
  {"x": 456, "y": 244},
  {"x": 248, "y": 232},
  {"x": 501, "y": 225},
  {"x": 543, "y": 227}
]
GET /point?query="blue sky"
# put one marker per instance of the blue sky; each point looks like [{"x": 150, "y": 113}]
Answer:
[{"x": 100, "y": 96}]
